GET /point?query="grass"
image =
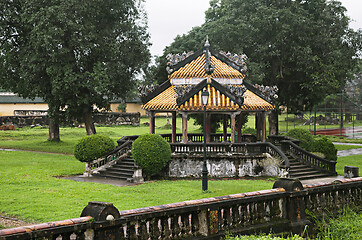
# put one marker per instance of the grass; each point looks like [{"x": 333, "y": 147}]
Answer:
[
  {"x": 31, "y": 191},
  {"x": 262, "y": 237},
  {"x": 346, "y": 225},
  {"x": 346, "y": 147},
  {"x": 35, "y": 139},
  {"x": 354, "y": 160}
]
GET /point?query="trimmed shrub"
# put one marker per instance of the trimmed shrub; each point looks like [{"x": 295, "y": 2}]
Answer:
[
  {"x": 92, "y": 147},
  {"x": 325, "y": 146},
  {"x": 304, "y": 136},
  {"x": 249, "y": 131},
  {"x": 151, "y": 152}
]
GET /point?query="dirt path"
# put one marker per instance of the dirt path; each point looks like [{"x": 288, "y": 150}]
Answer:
[
  {"x": 21, "y": 150},
  {"x": 11, "y": 222}
]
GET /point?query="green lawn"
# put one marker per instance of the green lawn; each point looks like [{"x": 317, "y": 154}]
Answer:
[
  {"x": 36, "y": 138},
  {"x": 355, "y": 160},
  {"x": 31, "y": 191},
  {"x": 346, "y": 147}
]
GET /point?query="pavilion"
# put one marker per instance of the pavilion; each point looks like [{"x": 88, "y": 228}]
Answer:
[{"x": 219, "y": 73}]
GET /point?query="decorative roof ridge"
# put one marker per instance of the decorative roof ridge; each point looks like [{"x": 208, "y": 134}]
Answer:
[
  {"x": 223, "y": 56},
  {"x": 178, "y": 61},
  {"x": 259, "y": 91},
  {"x": 209, "y": 68},
  {"x": 146, "y": 93}
]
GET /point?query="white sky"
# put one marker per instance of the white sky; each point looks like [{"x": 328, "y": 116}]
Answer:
[{"x": 169, "y": 18}]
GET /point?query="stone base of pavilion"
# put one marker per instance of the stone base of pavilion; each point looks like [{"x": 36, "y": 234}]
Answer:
[{"x": 224, "y": 159}]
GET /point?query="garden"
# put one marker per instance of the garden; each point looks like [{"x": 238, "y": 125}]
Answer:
[{"x": 35, "y": 189}]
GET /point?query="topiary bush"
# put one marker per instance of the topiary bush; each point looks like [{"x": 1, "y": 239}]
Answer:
[
  {"x": 249, "y": 131},
  {"x": 92, "y": 147},
  {"x": 151, "y": 152},
  {"x": 304, "y": 136},
  {"x": 325, "y": 146}
]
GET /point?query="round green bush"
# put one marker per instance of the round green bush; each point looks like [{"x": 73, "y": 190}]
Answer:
[
  {"x": 151, "y": 152},
  {"x": 249, "y": 131},
  {"x": 325, "y": 146},
  {"x": 92, "y": 147},
  {"x": 304, "y": 136}
]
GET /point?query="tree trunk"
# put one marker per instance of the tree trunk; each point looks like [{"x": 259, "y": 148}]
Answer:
[
  {"x": 89, "y": 125},
  {"x": 273, "y": 123},
  {"x": 53, "y": 131}
]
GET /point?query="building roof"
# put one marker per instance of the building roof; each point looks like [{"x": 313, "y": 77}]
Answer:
[
  {"x": 166, "y": 101},
  {"x": 221, "y": 74},
  {"x": 6, "y": 97}
]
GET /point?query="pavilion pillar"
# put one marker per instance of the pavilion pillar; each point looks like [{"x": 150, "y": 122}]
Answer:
[
  {"x": 225, "y": 128},
  {"x": 152, "y": 122},
  {"x": 232, "y": 125},
  {"x": 173, "y": 137},
  {"x": 258, "y": 126},
  {"x": 263, "y": 127},
  {"x": 184, "y": 127},
  {"x": 208, "y": 127},
  {"x": 239, "y": 125}
]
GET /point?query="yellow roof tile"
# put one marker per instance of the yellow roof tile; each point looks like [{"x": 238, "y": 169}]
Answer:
[
  {"x": 217, "y": 102},
  {"x": 196, "y": 69}
]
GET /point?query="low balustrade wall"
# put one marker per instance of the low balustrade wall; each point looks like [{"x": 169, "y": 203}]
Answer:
[
  {"x": 281, "y": 209},
  {"x": 108, "y": 119}
]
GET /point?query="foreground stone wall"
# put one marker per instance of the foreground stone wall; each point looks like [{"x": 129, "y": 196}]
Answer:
[
  {"x": 225, "y": 166},
  {"x": 40, "y": 119}
]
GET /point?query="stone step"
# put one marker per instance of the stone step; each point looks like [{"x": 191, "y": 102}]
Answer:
[
  {"x": 302, "y": 170},
  {"x": 312, "y": 176},
  {"x": 302, "y": 173},
  {"x": 119, "y": 169},
  {"x": 121, "y": 176}
]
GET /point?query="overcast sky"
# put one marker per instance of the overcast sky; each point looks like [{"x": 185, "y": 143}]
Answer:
[{"x": 168, "y": 18}]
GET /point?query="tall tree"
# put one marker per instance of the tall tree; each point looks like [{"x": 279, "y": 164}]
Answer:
[
  {"x": 305, "y": 47},
  {"x": 75, "y": 54}
]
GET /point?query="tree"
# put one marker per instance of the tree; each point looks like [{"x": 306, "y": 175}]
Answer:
[
  {"x": 304, "y": 47},
  {"x": 76, "y": 55}
]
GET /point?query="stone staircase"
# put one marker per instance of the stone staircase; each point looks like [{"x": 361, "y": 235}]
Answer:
[
  {"x": 302, "y": 172},
  {"x": 122, "y": 170}
]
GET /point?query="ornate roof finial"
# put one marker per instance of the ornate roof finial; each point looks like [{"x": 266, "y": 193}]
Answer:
[{"x": 207, "y": 44}]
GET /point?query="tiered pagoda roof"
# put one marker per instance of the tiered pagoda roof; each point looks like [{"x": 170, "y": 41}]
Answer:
[{"x": 221, "y": 74}]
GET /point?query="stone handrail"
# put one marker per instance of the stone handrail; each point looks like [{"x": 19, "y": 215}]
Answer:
[
  {"x": 281, "y": 209},
  {"x": 309, "y": 158},
  {"x": 117, "y": 154}
]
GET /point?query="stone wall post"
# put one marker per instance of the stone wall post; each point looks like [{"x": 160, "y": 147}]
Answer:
[
  {"x": 102, "y": 211},
  {"x": 294, "y": 206}
]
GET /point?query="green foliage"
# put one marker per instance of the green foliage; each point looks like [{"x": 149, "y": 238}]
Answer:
[
  {"x": 151, "y": 152},
  {"x": 73, "y": 55},
  {"x": 346, "y": 225},
  {"x": 325, "y": 146},
  {"x": 30, "y": 190},
  {"x": 92, "y": 147},
  {"x": 122, "y": 107},
  {"x": 305, "y": 137},
  {"x": 291, "y": 44},
  {"x": 249, "y": 131},
  {"x": 262, "y": 237}
]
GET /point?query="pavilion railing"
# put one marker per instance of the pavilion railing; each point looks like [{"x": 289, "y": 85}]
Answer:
[
  {"x": 214, "y": 137},
  {"x": 281, "y": 209}
]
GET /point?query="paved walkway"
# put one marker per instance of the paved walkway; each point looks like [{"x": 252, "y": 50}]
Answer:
[{"x": 344, "y": 153}]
